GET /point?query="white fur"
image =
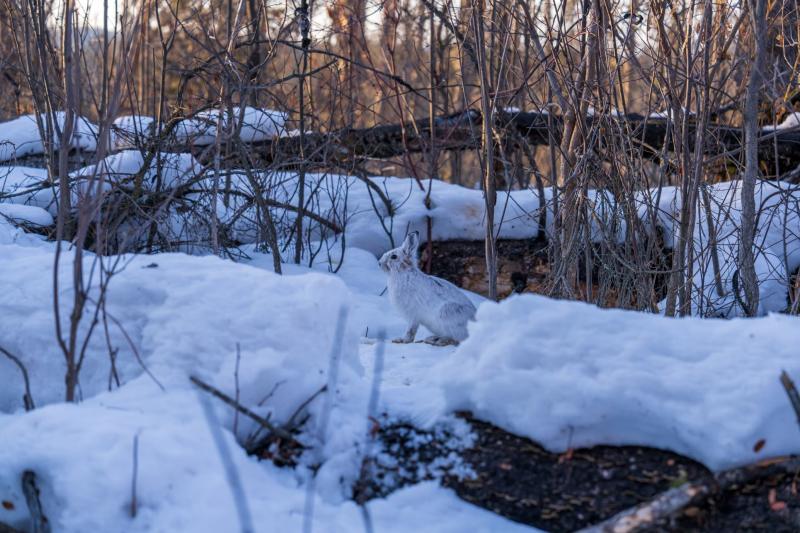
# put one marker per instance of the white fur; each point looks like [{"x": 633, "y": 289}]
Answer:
[{"x": 425, "y": 300}]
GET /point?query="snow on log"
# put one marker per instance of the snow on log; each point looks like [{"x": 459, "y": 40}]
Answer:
[{"x": 21, "y": 137}]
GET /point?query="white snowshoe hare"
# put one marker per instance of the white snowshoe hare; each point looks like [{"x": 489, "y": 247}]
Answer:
[{"x": 422, "y": 299}]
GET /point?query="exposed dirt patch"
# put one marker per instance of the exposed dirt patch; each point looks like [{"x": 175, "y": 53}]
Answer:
[{"x": 517, "y": 478}]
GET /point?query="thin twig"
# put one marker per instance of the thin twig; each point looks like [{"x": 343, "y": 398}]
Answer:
[
  {"x": 322, "y": 425},
  {"x": 27, "y": 399},
  {"x": 244, "y": 410},
  {"x": 134, "y": 475},
  {"x": 235, "y": 482},
  {"x": 791, "y": 391}
]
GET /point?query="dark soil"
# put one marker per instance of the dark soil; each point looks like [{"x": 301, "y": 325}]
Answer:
[{"x": 518, "y": 479}]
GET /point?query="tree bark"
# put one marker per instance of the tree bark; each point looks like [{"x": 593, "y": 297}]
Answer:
[{"x": 746, "y": 259}]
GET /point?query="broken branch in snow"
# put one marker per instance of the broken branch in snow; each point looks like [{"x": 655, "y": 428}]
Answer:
[
  {"x": 672, "y": 503},
  {"x": 665, "y": 506},
  {"x": 266, "y": 424}
]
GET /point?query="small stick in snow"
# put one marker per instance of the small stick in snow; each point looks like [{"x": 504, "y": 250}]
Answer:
[
  {"x": 232, "y": 475},
  {"x": 39, "y": 521},
  {"x": 27, "y": 399},
  {"x": 322, "y": 423},
  {"x": 135, "y": 474},
  {"x": 671, "y": 503},
  {"x": 791, "y": 391},
  {"x": 360, "y": 492}
]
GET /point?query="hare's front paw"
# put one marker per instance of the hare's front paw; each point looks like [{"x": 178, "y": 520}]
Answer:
[{"x": 410, "y": 334}]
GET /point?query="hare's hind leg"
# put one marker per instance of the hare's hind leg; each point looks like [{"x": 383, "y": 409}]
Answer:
[
  {"x": 437, "y": 340},
  {"x": 410, "y": 334}
]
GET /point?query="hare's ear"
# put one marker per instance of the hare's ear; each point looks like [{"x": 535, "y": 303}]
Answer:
[{"x": 411, "y": 243}]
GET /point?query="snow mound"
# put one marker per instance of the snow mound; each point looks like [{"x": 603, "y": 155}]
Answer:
[
  {"x": 181, "y": 315},
  {"x": 26, "y": 214},
  {"x": 20, "y": 137},
  {"x": 571, "y": 375},
  {"x": 164, "y": 169},
  {"x": 181, "y": 482},
  {"x": 256, "y": 125}
]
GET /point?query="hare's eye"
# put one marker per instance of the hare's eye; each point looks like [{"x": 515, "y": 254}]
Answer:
[{"x": 394, "y": 256}]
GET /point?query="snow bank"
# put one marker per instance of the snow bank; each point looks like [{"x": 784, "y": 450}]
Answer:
[
  {"x": 358, "y": 206},
  {"x": 182, "y": 314},
  {"x": 457, "y": 213},
  {"x": 568, "y": 374},
  {"x": 20, "y": 137}
]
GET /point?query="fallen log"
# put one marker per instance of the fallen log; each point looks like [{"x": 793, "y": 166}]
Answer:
[{"x": 779, "y": 150}]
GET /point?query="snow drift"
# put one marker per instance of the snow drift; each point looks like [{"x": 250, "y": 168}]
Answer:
[{"x": 570, "y": 375}]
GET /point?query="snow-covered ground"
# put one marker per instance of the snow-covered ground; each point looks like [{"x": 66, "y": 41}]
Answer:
[
  {"x": 186, "y": 315},
  {"x": 566, "y": 374}
]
